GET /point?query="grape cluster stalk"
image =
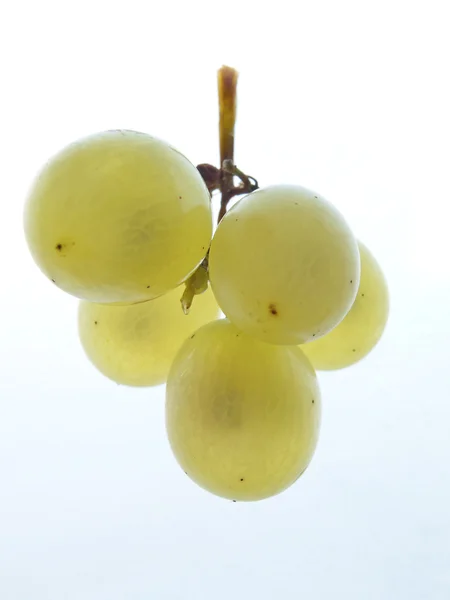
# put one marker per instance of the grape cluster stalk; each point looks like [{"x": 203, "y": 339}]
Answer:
[{"x": 279, "y": 289}]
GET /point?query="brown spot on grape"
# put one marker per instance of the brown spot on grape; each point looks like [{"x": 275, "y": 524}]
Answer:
[
  {"x": 53, "y": 281},
  {"x": 273, "y": 309},
  {"x": 58, "y": 247},
  {"x": 312, "y": 400},
  {"x": 95, "y": 322},
  {"x": 148, "y": 287},
  {"x": 180, "y": 198},
  {"x": 362, "y": 295},
  {"x": 192, "y": 336},
  {"x": 242, "y": 479},
  {"x": 351, "y": 280},
  {"x": 354, "y": 350},
  {"x": 234, "y": 500},
  {"x": 314, "y": 335}
]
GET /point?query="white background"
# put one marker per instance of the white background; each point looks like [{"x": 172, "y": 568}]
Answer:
[{"x": 348, "y": 98}]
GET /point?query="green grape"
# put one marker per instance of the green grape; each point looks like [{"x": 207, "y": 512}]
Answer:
[
  {"x": 136, "y": 344},
  {"x": 284, "y": 265},
  {"x": 119, "y": 216},
  {"x": 363, "y": 325},
  {"x": 242, "y": 416}
]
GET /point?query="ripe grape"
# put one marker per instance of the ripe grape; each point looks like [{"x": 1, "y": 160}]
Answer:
[
  {"x": 242, "y": 416},
  {"x": 136, "y": 344},
  {"x": 119, "y": 216},
  {"x": 284, "y": 265},
  {"x": 361, "y": 328}
]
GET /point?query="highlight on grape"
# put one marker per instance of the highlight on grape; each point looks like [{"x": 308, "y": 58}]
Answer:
[{"x": 234, "y": 319}]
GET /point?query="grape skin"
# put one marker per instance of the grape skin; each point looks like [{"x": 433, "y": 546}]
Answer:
[
  {"x": 361, "y": 328},
  {"x": 242, "y": 416},
  {"x": 284, "y": 265},
  {"x": 118, "y": 216},
  {"x": 135, "y": 345}
]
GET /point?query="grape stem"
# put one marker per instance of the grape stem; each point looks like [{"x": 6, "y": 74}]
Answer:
[
  {"x": 223, "y": 179},
  {"x": 227, "y": 79},
  {"x": 220, "y": 179}
]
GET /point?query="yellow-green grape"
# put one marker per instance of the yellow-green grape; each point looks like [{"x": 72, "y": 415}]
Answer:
[
  {"x": 361, "y": 328},
  {"x": 242, "y": 416},
  {"x": 119, "y": 216},
  {"x": 284, "y": 265},
  {"x": 136, "y": 344}
]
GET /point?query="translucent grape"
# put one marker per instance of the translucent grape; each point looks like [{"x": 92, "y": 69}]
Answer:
[
  {"x": 361, "y": 328},
  {"x": 119, "y": 216},
  {"x": 136, "y": 344},
  {"x": 284, "y": 265},
  {"x": 242, "y": 416}
]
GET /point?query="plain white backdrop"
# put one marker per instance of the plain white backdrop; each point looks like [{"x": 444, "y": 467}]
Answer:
[{"x": 349, "y": 98}]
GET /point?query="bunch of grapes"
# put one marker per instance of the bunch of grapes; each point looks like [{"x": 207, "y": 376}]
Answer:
[{"x": 123, "y": 221}]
